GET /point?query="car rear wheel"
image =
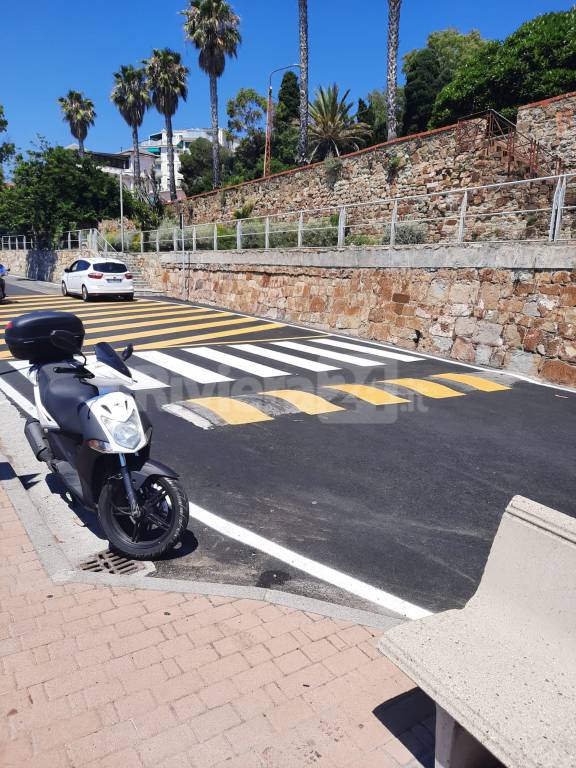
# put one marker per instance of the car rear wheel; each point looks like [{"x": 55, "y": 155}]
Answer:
[
  {"x": 85, "y": 294},
  {"x": 64, "y": 289}
]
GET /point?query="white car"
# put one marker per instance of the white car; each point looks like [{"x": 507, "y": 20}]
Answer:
[{"x": 94, "y": 277}]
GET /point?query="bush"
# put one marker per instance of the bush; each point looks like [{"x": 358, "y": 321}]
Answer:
[{"x": 406, "y": 233}]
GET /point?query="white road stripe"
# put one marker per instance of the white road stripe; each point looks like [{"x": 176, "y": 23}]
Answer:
[
  {"x": 282, "y": 357},
  {"x": 317, "y": 570},
  {"x": 141, "y": 380},
  {"x": 362, "y": 348},
  {"x": 16, "y": 397},
  {"x": 182, "y": 368},
  {"x": 240, "y": 363},
  {"x": 342, "y": 358}
]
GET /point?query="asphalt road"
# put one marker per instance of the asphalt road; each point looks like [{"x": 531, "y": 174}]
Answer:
[{"x": 398, "y": 484}]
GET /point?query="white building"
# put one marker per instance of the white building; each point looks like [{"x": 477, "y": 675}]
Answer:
[
  {"x": 116, "y": 163},
  {"x": 157, "y": 145}
]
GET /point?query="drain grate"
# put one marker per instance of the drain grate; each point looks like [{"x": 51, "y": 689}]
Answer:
[{"x": 111, "y": 562}]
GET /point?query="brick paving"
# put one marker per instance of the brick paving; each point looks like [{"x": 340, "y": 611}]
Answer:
[{"x": 107, "y": 677}]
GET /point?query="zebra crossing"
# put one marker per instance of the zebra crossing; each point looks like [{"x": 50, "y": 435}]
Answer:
[{"x": 236, "y": 382}]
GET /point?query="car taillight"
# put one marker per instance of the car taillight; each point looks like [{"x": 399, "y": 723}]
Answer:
[
  {"x": 128, "y": 275},
  {"x": 10, "y": 324},
  {"x": 95, "y": 275}
]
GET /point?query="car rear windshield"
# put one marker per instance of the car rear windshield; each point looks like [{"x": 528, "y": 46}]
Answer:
[{"x": 110, "y": 267}]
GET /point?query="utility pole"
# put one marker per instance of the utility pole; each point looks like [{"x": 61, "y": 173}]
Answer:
[{"x": 122, "y": 211}]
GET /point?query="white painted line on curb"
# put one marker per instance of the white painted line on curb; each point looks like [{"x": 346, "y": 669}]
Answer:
[
  {"x": 311, "y": 567},
  {"x": 17, "y": 398}
]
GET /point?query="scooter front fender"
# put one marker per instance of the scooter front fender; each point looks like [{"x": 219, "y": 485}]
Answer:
[{"x": 151, "y": 469}]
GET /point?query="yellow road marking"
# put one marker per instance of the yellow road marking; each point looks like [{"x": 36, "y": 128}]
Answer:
[
  {"x": 76, "y": 308},
  {"x": 205, "y": 336},
  {"x": 164, "y": 332},
  {"x": 232, "y": 411},
  {"x": 305, "y": 401},
  {"x": 424, "y": 387},
  {"x": 91, "y": 318},
  {"x": 371, "y": 395},
  {"x": 176, "y": 322},
  {"x": 485, "y": 385}
]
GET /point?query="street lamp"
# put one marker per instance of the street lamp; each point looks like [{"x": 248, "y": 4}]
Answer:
[{"x": 268, "y": 150}]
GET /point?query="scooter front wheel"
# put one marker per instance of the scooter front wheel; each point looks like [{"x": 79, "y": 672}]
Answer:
[{"x": 158, "y": 527}]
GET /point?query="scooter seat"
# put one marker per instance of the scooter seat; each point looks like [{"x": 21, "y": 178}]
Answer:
[{"x": 63, "y": 395}]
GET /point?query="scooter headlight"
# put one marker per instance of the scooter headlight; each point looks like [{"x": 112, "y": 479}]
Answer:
[{"x": 127, "y": 433}]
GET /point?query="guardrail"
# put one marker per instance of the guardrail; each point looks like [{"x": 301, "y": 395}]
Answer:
[{"x": 529, "y": 210}]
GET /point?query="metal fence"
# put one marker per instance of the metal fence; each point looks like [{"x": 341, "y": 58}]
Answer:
[{"x": 530, "y": 210}]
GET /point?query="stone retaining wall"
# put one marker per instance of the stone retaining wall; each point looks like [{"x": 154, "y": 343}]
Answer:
[
  {"x": 515, "y": 309},
  {"x": 39, "y": 265},
  {"x": 553, "y": 123}
]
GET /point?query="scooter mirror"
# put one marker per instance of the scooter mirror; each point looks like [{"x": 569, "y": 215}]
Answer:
[
  {"x": 128, "y": 352},
  {"x": 65, "y": 340}
]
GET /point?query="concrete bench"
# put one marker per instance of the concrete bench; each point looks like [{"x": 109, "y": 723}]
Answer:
[{"x": 502, "y": 670}]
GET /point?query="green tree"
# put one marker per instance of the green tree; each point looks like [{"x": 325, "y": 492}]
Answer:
[
  {"x": 196, "y": 166},
  {"x": 213, "y": 28},
  {"x": 373, "y": 111},
  {"x": 168, "y": 83},
  {"x": 429, "y": 69},
  {"x": 6, "y": 147},
  {"x": 130, "y": 95},
  {"x": 304, "y": 96},
  {"x": 392, "y": 65},
  {"x": 57, "y": 189},
  {"x": 78, "y": 112},
  {"x": 333, "y": 130},
  {"x": 536, "y": 62},
  {"x": 421, "y": 89},
  {"x": 286, "y": 118},
  {"x": 245, "y": 112}
]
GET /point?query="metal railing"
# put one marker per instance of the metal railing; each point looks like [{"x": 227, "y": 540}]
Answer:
[
  {"x": 529, "y": 210},
  {"x": 497, "y": 134},
  {"x": 542, "y": 209}
]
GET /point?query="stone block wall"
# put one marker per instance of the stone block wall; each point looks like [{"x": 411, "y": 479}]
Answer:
[
  {"x": 39, "y": 265},
  {"x": 521, "y": 318},
  {"x": 428, "y": 162},
  {"x": 553, "y": 123}
]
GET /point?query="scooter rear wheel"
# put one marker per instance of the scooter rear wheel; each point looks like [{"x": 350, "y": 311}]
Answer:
[{"x": 164, "y": 518}]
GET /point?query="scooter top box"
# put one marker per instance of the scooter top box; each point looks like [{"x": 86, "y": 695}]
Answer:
[{"x": 28, "y": 336}]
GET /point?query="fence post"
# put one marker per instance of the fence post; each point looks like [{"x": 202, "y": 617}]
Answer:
[
  {"x": 300, "y": 229},
  {"x": 554, "y": 211},
  {"x": 239, "y": 235},
  {"x": 267, "y": 233},
  {"x": 157, "y": 241},
  {"x": 215, "y": 236},
  {"x": 462, "y": 221},
  {"x": 80, "y": 239},
  {"x": 194, "y": 242},
  {"x": 393, "y": 223},
  {"x": 24, "y": 241},
  {"x": 69, "y": 240},
  {"x": 559, "y": 209},
  {"x": 175, "y": 239},
  {"x": 142, "y": 242},
  {"x": 342, "y": 226}
]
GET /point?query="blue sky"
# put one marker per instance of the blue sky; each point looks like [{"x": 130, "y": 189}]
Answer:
[{"x": 50, "y": 47}]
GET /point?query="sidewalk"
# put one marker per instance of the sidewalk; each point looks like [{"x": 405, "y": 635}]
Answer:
[{"x": 108, "y": 677}]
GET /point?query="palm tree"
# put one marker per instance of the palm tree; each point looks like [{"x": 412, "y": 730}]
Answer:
[
  {"x": 130, "y": 95},
  {"x": 303, "y": 135},
  {"x": 213, "y": 27},
  {"x": 392, "y": 74},
  {"x": 78, "y": 112},
  {"x": 333, "y": 129},
  {"x": 167, "y": 80}
]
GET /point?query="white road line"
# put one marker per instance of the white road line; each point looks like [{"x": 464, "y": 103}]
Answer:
[
  {"x": 232, "y": 361},
  {"x": 141, "y": 380},
  {"x": 282, "y": 357},
  {"x": 182, "y": 368},
  {"x": 362, "y": 348},
  {"x": 17, "y": 398},
  {"x": 185, "y": 413},
  {"x": 351, "y": 359},
  {"x": 311, "y": 567}
]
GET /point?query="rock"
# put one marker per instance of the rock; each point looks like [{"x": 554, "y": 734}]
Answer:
[
  {"x": 462, "y": 349},
  {"x": 559, "y": 372},
  {"x": 522, "y": 362},
  {"x": 487, "y": 333}
]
